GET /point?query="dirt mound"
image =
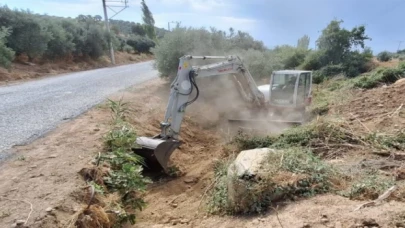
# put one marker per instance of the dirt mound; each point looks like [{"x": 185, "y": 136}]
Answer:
[{"x": 379, "y": 109}]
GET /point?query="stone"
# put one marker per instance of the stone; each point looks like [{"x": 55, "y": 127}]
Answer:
[
  {"x": 184, "y": 221},
  {"x": 400, "y": 81},
  {"x": 248, "y": 162},
  {"x": 53, "y": 156},
  {"x": 246, "y": 166},
  {"x": 324, "y": 220},
  {"x": 190, "y": 180},
  {"x": 19, "y": 222},
  {"x": 370, "y": 222},
  {"x": 49, "y": 209}
]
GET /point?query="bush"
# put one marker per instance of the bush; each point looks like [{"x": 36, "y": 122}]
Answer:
[
  {"x": 357, "y": 63},
  {"x": 295, "y": 60},
  {"x": 6, "y": 54},
  {"x": 314, "y": 61},
  {"x": 380, "y": 76},
  {"x": 141, "y": 44},
  {"x": 128, "y": 49},
  {"x": 384, "y": 56}
]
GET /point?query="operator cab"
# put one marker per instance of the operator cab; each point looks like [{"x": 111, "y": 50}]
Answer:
[{"x": 290, "y": 88}]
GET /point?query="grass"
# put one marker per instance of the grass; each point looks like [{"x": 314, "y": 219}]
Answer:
[
  {"x": 368, "y": 187},
  {"x": 287, "y": 174}
]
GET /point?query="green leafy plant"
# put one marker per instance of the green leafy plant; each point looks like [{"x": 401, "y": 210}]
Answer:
[{"x": 121, "y": 136}]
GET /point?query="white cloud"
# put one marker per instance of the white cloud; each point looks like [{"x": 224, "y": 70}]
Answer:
[{"x": 196, "y": 20}]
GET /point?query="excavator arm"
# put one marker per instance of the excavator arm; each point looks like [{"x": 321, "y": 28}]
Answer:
[{"x": 159, "y": 148}]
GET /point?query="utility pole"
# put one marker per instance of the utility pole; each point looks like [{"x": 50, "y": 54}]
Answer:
[
  {"x": 168, "y": 24},
  {"x": 115, "y": 4},
  {"x": 399, "y": 45}
]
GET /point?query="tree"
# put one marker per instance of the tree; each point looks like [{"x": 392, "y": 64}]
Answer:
[
  {"x": 137, "y": 29},
  {"x": 303, "y": 42},
  {"x": 149, "y": 22},
  {"x": 338, "y": 42},
  {"x": 336, "y": 50},
  {"x": 30, "y": 37},
  {"x": 231, "y": 32},
  {"x": 61, "y": 43},
  {"x": 6, "y": 54}
]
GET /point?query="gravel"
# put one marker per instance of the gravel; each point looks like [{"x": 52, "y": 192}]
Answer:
[{"x": 29, "y": 110}]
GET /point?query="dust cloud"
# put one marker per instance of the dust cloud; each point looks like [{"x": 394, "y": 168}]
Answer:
[{"x": 220, "y": 106}]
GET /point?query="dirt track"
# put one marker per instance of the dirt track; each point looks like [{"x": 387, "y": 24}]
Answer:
[{"x": 45, "y": 174}]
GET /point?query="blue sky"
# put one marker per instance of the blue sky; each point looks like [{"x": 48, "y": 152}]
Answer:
[{"x": 274, "y": 22}]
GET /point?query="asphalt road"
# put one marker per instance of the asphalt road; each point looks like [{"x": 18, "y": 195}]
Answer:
[{"x": 29, "y": 110}]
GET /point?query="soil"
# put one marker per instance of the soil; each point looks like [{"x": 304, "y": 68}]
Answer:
[
  {"x": 380, "y": 109},
  {"x": 22, "y": 70},
  {"x": 44, "y": 174}
]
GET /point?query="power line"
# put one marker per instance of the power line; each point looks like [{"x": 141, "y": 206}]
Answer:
[
  {"x": 112, "y": 4},
  {"x": 399, "y": 44}
]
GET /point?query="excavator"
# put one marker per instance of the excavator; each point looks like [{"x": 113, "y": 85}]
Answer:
[{"x": 289, "y": 91}]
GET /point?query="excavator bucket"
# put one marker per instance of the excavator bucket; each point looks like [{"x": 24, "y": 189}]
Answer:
[{"x": 155, "y": 152}]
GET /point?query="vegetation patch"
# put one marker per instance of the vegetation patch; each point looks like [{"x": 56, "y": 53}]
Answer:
[
  {"x": 287, "y": 174},
  {"x": 368, "y": 187},
  {"x": 118, "y": 172},
  {"x": 321, "y": 136},
  {"x": 381, "y": 76}
]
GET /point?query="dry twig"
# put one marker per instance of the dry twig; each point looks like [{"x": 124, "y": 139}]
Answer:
[
  {"x": 279, "y": 221},
  {"x": 25, "y": 201},
  {"x": 205, "y": 193},
  {"x": 365, "y": 127},
  {"x": 396, "y": 111},
  {"x": 382, "y": 197}
]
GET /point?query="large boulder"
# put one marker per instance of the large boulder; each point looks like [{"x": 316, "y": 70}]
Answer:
[{"x": 243, "y": 176}]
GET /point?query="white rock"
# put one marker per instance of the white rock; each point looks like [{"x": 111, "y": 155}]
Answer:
[{"x": 248, "y": 164}]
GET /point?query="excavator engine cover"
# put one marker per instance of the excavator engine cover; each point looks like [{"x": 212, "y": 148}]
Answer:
[{"x": 156, "y": 152}]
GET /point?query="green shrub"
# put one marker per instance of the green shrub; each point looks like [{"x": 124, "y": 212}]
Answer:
[
  {"x": 384, "y": 56},
  {"x": 296, "y": 59},
  {"x": 141, "y": 44},
  {"x": 128, "y": 49},
  {"x": 6, "y": 54},
  {"x": 318, "y": 77},
  {"x": 379, "y": 77},
  {"x": 314, "y": 61}
]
